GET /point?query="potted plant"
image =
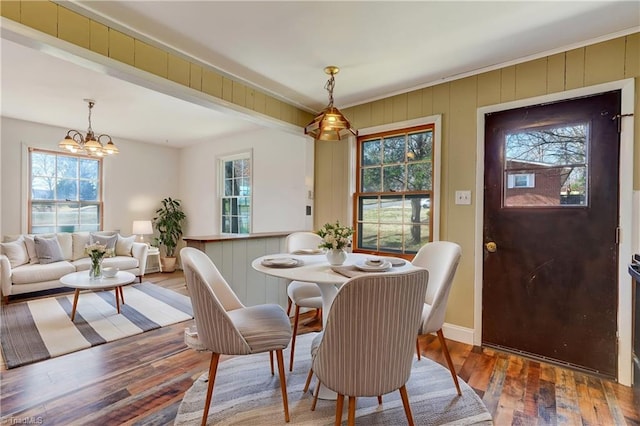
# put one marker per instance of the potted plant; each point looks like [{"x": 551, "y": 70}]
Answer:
[{"x": 168, "y": 222}]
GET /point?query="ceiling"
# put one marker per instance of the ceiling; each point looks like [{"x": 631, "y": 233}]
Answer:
[{"x": 382, "y": 48}]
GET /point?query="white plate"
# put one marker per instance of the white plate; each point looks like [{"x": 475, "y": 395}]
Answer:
[
  {"x": 368, "y": 268},
  {"x": 395, "y": 261},
  {"x": 374, "y": 261},
  {"x": 281, "y": 262}
]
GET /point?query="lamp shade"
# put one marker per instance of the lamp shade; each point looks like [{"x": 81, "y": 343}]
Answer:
[{"x": 142, "y": 227}]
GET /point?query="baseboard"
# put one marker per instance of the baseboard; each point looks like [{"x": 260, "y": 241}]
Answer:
[{"x": 457, "y": 333}]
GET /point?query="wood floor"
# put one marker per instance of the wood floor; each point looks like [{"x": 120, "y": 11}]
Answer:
[{"x": 141, "y": 380}]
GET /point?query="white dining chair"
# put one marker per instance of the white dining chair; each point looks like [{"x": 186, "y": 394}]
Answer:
[
  {"x": 441, "y": 259},
  {"x": 226, "y": 327},
  {"x": 300, "y": 293}
]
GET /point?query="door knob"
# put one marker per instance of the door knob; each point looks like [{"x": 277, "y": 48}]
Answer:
[{"x": 491, "y": 247}]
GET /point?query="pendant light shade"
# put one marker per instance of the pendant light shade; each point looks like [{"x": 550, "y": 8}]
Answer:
[{"x": 330, "y": 124}]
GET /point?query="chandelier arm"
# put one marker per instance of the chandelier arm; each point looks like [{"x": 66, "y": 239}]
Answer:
[
  {"x": 107, "y": 138},
  {"x": 76, "y": 136}
]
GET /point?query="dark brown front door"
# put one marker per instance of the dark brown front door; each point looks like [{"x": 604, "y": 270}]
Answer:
[{"x": 550, "y": 218}]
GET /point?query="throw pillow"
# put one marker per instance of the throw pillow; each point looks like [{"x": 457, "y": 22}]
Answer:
[
  {"x": 16, "y": 252},
  {"x": 80, "y": 240},
  {"x": 48, "y": 250},
  {"x": 124, "y": 245},
  {"x": 31, "y": 249},
  {"x": 109, "y": 242}
]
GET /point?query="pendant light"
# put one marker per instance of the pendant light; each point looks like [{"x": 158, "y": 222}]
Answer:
[
  {"x": 330, "y": 124},
  {"x": 89, "y": 144}
]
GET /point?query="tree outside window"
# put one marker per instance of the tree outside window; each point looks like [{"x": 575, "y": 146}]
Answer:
[
  {"x": 65, "y": 192},
  {"x": 547, "y": 166},
  {"x": 394, "y": 190},
  {"x": 236, "y": 198}
]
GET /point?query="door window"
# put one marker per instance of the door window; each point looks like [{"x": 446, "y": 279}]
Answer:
[{"x": 546, "y": 166}]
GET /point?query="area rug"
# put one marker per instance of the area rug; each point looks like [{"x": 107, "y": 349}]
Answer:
[
  {"x": 245, "y": 393},
  {"x": 40, "y": 329}
]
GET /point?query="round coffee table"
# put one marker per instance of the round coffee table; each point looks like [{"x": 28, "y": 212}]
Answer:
[{"x": 80, "y": 281}]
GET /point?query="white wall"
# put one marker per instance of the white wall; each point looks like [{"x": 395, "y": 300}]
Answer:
[
  {"x": 135, "y": 180},
  {"x": 282, "y": 178}
]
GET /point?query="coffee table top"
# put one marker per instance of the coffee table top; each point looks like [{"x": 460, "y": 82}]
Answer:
[{"x": 81, "y": 280}]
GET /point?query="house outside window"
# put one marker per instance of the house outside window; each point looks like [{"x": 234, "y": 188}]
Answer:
[
  {"x": 236, "y": 194},
  {"x": 65, "y": 192},
  {"x": 394, "y": 191}
]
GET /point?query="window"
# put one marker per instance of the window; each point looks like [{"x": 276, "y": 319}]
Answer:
[
  {"x": 521, "y": 181},
  {"x": 394, "y": 190},
  {"x": 236, "y": 190},
  {"x": 547, "y": 166},
  {"x": 65, "y": 192}
]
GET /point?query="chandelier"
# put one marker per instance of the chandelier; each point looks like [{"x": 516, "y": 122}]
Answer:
[
  {"x": 90, "y": 144},
  {"x": 330, "y": 124}
]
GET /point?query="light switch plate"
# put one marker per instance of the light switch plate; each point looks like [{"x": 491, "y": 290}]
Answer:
[{"x": 463, "y": 197}]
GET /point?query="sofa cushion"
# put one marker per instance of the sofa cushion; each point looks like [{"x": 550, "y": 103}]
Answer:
[
  {"x": 108, "y": 241},
  {"x": 16, "y": 252},
  {"x": 121, "y": 262},
  {"x": 29, "y": 274},
  {"x": 80, "y": 240},
  {"x": 48, "y": 250},
  {"x": 31, "y": 249},
  {"x": 124, "y": 245},
  {"x": 66, "y": 244}
]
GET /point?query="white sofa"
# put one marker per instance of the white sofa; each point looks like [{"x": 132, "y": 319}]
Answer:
[{"x": 21, "y": 272}]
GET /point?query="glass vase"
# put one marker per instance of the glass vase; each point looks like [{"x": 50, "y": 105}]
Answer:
[
  {"x": 95, "y": 271},
  {"x": 336, "y": 256}
]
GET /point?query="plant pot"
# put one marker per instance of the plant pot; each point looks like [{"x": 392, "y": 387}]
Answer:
[{"x": 168, "y": 264}]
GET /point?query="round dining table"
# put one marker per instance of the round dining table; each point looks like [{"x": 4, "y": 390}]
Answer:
[{"x": 315, "y": 268}]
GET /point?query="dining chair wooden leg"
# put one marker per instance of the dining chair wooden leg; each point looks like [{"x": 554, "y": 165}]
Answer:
[
  {"x": 405, "y": 404},
  {"x": 339, "y": 405},
  {"x": 418, "y": 348},
  {"x": 283, "y": 384},
  {"x": 271, "y": 361},
  {"x": 289, "y": 307},
  {"x": 379, "y": 399},
  {"x": 213, "y": 368},
  {"x": 293, "y": 337},
  {"x": 308, "y": 382},
  {"x": 351, "y": 420},
  {"x": 443, "y": 343},
  {"x": 315, "y": 396}
]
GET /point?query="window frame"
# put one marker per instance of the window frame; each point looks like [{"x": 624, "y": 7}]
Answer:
[
  {"x": 408, "y": 126},
  {"x": 242, "y": 155},
  {"x": 55, "y": 202}
]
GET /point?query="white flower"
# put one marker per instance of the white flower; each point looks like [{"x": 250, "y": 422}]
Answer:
[{"x": 335, "y": 236}]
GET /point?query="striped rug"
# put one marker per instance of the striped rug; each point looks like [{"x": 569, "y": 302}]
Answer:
[
  {"x": 40, "y": 329},
  {"x": 245, "y": 393}
]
